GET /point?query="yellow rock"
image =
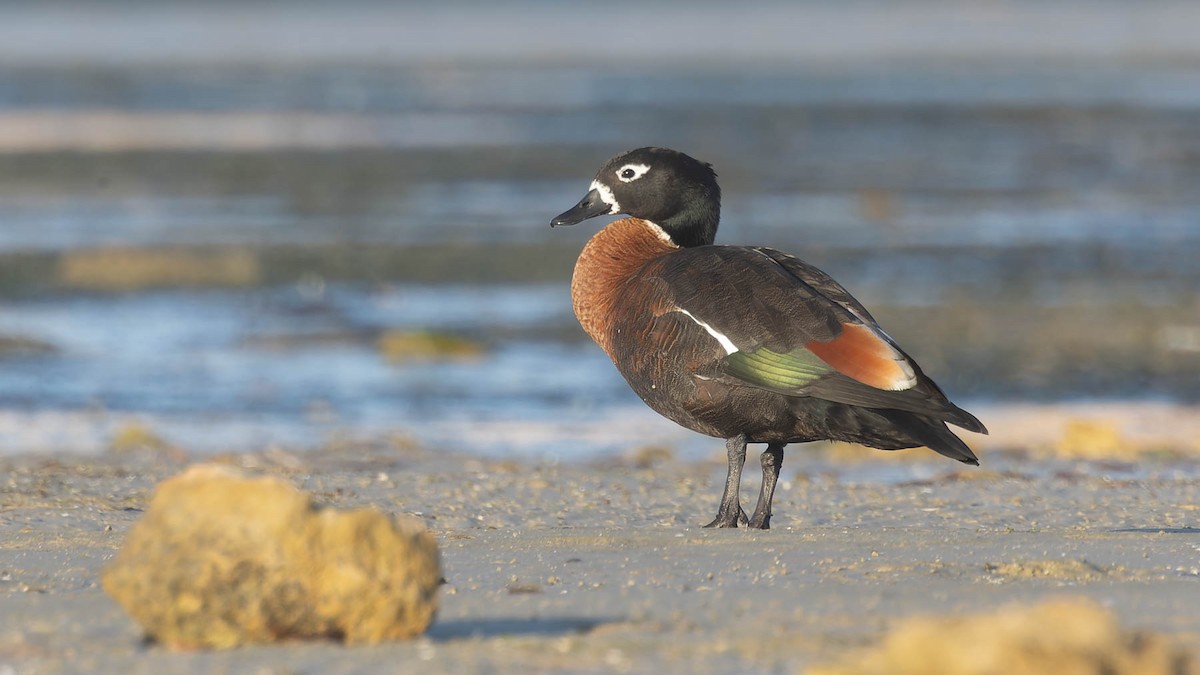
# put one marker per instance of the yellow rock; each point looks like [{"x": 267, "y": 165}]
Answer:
[
  {"x": 1063, "y": 636},
  {"x": 129, "y": 269},
  {"x": 399, "y": 346},
  {"x": 135, "y": 436},
  {"x": 1094, "y": 439},
  {"x": 222, "y": 559}
]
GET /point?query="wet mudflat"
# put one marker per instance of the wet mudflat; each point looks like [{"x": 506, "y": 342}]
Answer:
[{"x": 602, "y": 566}]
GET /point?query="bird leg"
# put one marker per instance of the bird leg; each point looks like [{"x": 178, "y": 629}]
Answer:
[
  {"x": 772, "y": 461},
  {"x": 731, "y": 514}
]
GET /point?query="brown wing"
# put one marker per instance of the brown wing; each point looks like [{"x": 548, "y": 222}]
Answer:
[{"x": 788, "y": 327}]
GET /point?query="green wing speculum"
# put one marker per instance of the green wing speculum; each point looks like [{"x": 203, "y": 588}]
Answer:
[{"x": 786, "y": 373}]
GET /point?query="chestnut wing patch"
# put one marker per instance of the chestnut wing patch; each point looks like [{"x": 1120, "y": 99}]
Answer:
[{"x": 861, "y": 354}]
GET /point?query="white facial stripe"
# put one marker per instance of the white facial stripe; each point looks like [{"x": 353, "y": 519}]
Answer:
[
  {"x": 606, "y": 196},
  {"x": 634, "y": 171},
  {"x": 725, "y": 342}
]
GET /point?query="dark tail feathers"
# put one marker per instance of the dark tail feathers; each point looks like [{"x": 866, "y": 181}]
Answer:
[
  {"x": 961, "y": 418},
  {"x": 941, "y": 440},
  {"x": 933, "y": 433},
  {"x": 888, "y": 429}
]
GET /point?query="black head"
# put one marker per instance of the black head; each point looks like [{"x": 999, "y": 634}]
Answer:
[{"x": 668, "y": 188}]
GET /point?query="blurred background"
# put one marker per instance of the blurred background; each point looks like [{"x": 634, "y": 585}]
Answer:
[{"x": 235, "y": 226}]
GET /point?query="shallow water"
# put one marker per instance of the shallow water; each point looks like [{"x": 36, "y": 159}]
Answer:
[
  {"x": 219, "y": 369},
  {"x": 956, "y": 190}
]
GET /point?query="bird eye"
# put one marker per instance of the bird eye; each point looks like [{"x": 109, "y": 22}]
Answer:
[{"x": 631, "y": 172}]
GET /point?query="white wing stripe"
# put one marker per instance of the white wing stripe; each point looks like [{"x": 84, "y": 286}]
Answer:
[{"x": 725, "y": 342}]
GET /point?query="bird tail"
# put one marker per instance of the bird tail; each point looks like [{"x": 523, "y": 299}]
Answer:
[
  {"x": 889, "y": 429},
  {"x": 933, "y": 434},
  {"x": 961, "y": 418}
]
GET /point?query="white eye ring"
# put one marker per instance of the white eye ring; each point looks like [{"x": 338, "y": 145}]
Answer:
[{"x": 631, "y": 172}]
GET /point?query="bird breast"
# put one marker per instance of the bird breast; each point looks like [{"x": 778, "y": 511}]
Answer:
[{"x": 607, "y": 273}]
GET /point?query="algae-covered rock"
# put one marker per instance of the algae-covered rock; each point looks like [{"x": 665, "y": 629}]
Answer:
[
  {"x": 1063, "y": 636},
  {"x": 222, "y": 559},
  {"x": 399, "y": 346},
  {"x": 20, "y": 345},
  {"x": 135, "y": 437},
  {"x": 132, "y": 269},
  {"x": 1094, "y": 439}
]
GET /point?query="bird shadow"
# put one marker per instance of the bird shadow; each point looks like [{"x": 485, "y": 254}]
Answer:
[
  {"x": 1159, "y": 530},
  {"x": 459, "y": 629}
]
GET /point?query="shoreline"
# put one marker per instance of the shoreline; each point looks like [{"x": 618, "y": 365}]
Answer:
[
  {"x": 601, "y": 566},
  {"x": 1118, "y": 430}
]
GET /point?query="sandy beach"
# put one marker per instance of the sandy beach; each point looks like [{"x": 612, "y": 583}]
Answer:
[{"x": 602, "y": 566}]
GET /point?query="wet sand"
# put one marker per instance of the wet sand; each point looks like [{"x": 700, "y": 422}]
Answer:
[{"x": 602, "y": 567}]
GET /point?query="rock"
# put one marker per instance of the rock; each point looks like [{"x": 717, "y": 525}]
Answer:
[
  {"x": 222, "y": 559},
  {"x": 1094, "y": 439},
  {"x": 137, "y": 438},
  {"x": 132, "y": 269},
  {"x": 22, "y": 346},
  {"x": 1063, "y": 636},
  {"x": 400, "y": 346}
]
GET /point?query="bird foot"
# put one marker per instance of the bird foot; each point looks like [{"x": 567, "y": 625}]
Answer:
[
  {"x": 760, "y": 521},
  {"x": 725, "y": 518}
]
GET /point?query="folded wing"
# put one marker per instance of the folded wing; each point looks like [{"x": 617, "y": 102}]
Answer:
[{"x": 785, "y": 326}]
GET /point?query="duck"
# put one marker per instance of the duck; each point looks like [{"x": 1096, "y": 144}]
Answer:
[{"x": 744, "y": 343}]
